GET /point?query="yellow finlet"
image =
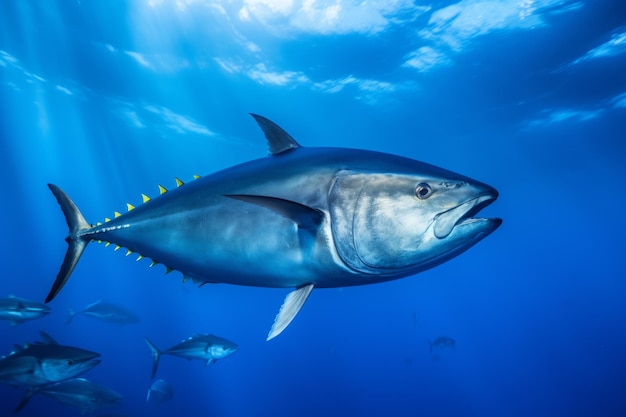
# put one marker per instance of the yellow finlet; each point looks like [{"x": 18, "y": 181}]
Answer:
[
  {"x": 116, "y": 214},
  {"x": 99, "y": 241},
  {"x": 162, "y": 190},
  {"x": 195, "y": 177},
  {"x": 168, "y": 270},
  {"x": 106, "y": 220},
  {"x": 139, "y": 258},
  {"x": 179, "y": 182},
  {"x": 145, "y": 198},
  {"x": 117, "y": 247},
  {"x": 106, "y": 244},
  {"x": 185, "y": 278},
  {"x": 99, "y": 224},
  {"x": 153, "y": 263},
  {"x": 128, "y": 252},
  {"x": 130, "y": 206}
]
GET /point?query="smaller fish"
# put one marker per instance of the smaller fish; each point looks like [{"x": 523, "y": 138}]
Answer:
[
  {"x": 442, "y": 342},
  {"x": 19, "y": 310},
  {"x": 45, "y": 362},
  {"x": 206, "y": 347},
  {"x": 109, "y": 312},
  {"x": 78, "y": 392},
  {"x": 159, "y": 392}
]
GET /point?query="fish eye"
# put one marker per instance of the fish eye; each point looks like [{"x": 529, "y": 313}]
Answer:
[
  {"x": 423, "y": 191},
  {"x": 70, "y": 362}
]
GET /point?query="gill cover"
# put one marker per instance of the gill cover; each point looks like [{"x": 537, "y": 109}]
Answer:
[{"x": 377, "y": 222}]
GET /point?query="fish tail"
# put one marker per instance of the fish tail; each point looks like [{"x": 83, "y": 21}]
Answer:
[
  {"x": 24, "y": 401},
  {"x": 77, "y": 244},
  {"x": 156, "y": 355}
]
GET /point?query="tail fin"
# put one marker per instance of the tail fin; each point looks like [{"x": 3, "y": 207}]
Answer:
[
  {"x": 156, "y": 355},
  {"x": 25, "y": 399},
  {"x": 71, "y": 316},
  {"x": 77, "y": 244}
]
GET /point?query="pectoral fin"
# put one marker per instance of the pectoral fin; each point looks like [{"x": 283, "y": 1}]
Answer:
[
  {"x": 291, "y": 306},
  {"x": 305, "y": 217},
  {"x": 47, "y": 339}
]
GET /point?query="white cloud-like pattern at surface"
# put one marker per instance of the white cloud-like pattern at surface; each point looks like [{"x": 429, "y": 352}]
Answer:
[{"x": 326, "y": 17}]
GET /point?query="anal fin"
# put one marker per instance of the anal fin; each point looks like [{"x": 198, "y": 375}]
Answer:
[{"x": 290, "y": 308}]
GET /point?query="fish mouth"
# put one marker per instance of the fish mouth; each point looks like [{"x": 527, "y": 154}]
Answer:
[
  {"x": 88, "y": 362},
  {"x": 93, "y": 362},
  {"x": 463, "y": 214}
]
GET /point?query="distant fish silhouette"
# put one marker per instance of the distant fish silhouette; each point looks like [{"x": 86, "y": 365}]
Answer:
[
  {"x": 442, "y": 342},
  {"x": 159, "y": 392},
  {"x": 109, "y": 312},
  {"x": 206, "y": 347},
  {"x": 78, "y": 392},
  {"x": 18, "y": 310},
  {"x": 41, "y": 363}
]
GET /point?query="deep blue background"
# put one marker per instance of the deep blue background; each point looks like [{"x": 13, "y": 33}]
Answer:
[{"x": 109, "y": 98}]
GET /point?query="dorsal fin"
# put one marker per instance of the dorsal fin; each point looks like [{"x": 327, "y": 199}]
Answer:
[
  {"x": 47, "y": 339},
  {"x": 278, "y": 140}
]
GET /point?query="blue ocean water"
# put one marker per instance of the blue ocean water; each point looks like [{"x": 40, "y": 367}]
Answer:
[{"x": 107, "y": 99}]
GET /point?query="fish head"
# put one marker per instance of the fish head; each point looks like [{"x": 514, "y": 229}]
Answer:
[
  {"x": 396, "y": 222},
  {"x": 64, "y": 362},
  {"x": 218, "y": 351}
]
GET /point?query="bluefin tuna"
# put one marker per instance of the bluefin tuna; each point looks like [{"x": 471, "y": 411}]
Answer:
[
  {"x": 18, "y": 310},
  {"x": 299, "y": 218},
  {"x": 78, "y": 392},
  {"x": 442, "y": 342},
  {"x": 159, "y": 392},
  {"x": 105, "y": 311},
  {"x": 45, "y": 362},
  {"x": 206, "y": 347}
]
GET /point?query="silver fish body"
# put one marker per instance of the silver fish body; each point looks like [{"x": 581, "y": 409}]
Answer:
[
  {"x": 81, "y": 393},
  {"x": 44, "y": 363},
  {"x": 159, "y": 392},
  {"x": 18, "y": 310},
  {"x": 105, "y": 311},
  {"x": 300, "y": 218},
  {"x": 206, "y": 347}
]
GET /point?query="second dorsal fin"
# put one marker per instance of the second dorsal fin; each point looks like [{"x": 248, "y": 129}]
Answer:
[{"x": 278, "y": 140}]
